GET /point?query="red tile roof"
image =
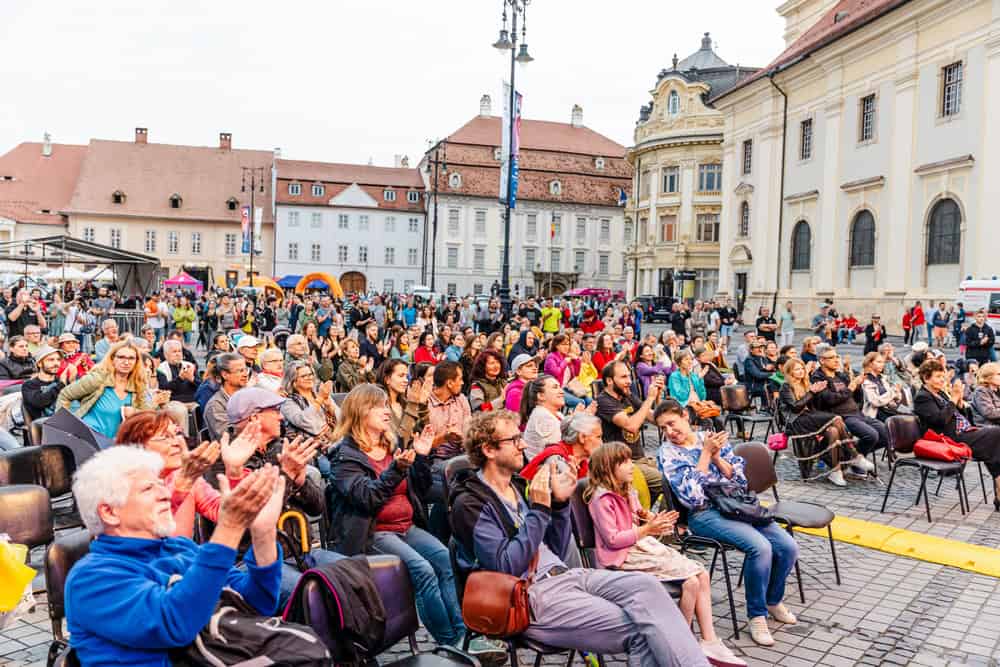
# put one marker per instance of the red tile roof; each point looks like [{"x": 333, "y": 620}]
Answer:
[
  {"x": 854, "y": 14},
  {"x": 333, "y": 172},
  {"x": 40, "y": 182},
  {"x": 539, "y": 135},
  {"x": 149, "y": 174}
]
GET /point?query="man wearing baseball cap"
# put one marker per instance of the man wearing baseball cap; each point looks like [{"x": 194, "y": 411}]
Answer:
[
  {"x": 248, "y": 347},
  {"x": 39, "y": 393}
]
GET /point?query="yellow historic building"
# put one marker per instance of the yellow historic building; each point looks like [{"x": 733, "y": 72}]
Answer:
[{"x": 673, "y": 217}]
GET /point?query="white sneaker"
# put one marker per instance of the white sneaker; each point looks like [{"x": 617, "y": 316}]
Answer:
[
  {"x": 861, "y": 463},
  {"x": 780, "y": 613},
  {"x": 718, "y": 654},
  {"x": 759, "y": 631},
  {"x": 837, "y": 478}
]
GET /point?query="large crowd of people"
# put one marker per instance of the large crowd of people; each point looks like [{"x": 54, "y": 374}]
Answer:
[{"x": 223, "y": 410}]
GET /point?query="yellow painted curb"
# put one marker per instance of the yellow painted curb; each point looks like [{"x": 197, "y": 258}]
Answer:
[{"x": 971, "y": 557}]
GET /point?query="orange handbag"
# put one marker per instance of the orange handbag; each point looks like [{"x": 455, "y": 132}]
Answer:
[{"x": 497, "y": 604}]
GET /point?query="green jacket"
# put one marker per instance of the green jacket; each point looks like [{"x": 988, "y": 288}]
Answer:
[
  {"x": 88, "y": 389},
  {"x": 184, "y": 318}
]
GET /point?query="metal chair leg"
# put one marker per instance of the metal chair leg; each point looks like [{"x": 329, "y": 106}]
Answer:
[
  {"x": 743, "y": 567},
  {"x": 711, "y": 570},
  {"x": 888, "y": 488},
  {"x": 938, "y": 491},
  {"x": 798, "y": 571},
  {"x": 833, "y": 553},
  {"x": 512, "y": 654},
  {"x": 982, "y": 482},
  {"x": 923, "y": 489},
  {"x": 569, "y": 658},
  {"x": 729, "y": 591}
]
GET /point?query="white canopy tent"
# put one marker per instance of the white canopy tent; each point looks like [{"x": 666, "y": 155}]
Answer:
[
  {"x": 64, "y": 274},
  {"x": 101, "y": 273}
]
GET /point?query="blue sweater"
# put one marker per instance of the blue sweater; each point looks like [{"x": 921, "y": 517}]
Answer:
[{"x": 119, "y": 610}]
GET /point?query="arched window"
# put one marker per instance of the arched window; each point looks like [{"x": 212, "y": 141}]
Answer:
[
  {"x": 674, "y": 103},
  {"x": 944, "y": 233},
  {"x": 863, "y": 240},
  {"x": 745, "y": 219},
  {"x": 801, "y": 246},
  {"x": 175, "y": 200}
]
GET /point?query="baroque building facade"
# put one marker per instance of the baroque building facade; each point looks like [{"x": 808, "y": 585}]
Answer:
[
  {"x": 872, "y": 160},
  {"x": 567, "y": 229},
  {"x": 673, "y": 246}
]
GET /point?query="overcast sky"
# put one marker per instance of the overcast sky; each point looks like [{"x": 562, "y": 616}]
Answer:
[{"x": 341, "y": 80}]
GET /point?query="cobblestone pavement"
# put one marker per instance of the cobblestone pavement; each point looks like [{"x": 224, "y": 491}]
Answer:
[{"x": 889, "y": 610}]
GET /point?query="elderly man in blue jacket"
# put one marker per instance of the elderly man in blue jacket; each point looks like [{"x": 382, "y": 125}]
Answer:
[
  {"x": 121, "y": 607},
  {"x": 500, "y": 528}
]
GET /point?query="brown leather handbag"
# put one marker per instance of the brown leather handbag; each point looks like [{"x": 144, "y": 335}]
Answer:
[{"x": 496, "y": 604}]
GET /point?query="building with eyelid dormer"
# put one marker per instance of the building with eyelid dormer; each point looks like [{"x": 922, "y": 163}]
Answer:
[{"x": 362, "y": 224}]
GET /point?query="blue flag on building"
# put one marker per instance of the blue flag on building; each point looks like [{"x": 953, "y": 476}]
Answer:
[{"x": 622, "y": 197}]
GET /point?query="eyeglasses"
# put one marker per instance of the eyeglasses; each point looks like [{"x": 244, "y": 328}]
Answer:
[
  {"x": 827, "y": 357},
  {"x": 514, "y": 440},
  {"x": 124, "y": 357}
]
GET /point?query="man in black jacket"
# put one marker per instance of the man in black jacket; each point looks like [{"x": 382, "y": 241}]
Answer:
[
  {"x": 40, "y": 392},
  {"x": 175, "y": 374},
  {"x": 838, "y": 398},
  {"x": 757, "y": 369},
  {"x": 979, "y": 339}
]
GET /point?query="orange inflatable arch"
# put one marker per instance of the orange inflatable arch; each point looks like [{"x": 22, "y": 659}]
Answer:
[
  {"x": 263, "y": 283},
  {"x": 332, "y": 283}
]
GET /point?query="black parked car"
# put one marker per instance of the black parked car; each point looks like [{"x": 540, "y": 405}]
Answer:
[{"x": 656, "y": 308}]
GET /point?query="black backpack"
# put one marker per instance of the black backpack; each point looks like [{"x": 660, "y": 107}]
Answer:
[{"x": 236, "y": 633}]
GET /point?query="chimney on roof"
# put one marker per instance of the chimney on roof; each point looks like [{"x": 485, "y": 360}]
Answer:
[
  {"x": 47, "y": 144},
  {"x": 576, "y": 119},
  {"x": 397, "y": 160},
  {"x": 405, "y": 162},
  {"x": 485, "y": 106},
  {"x": 277, "y": 152},
  {"x": 226, "y": 141},
  {"x": 141, "y": 134},
  {"x": 706, "y": 42}
]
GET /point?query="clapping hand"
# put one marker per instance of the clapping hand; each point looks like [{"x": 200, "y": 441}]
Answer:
[
  {"x": 325, "y": 391},
  {"x": 236, "y": 452},
  {"x": 196, "y": 462},
  {"x": 660, "y": 524},
  {"x": 240, "y": 506},
  {"x": 562, "y": 484},
  {"x": 540, "y": 493},
  {"x": 69, "y": 374},
  {"x": 404, "y": 458},
  {"x": 817, "y": 387},
  {"x": 295, "y": 455},
  {"x": 267, "y": 518},
  {"x": 423, "y": 442}
]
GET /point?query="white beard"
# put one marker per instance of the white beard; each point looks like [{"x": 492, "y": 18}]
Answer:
[{"x": 165, "y": 527}]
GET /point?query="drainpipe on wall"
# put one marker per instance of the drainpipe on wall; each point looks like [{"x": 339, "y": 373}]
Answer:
[
  {"x": 635, "y": 232},
  {"x": 781, "y": 192}
]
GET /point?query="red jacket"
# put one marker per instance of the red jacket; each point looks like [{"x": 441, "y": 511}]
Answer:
[{"x": 559, "y": 449}]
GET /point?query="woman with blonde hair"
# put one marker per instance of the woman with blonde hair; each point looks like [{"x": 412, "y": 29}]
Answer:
[
  {"x": 882, "y": 400},
  {"x": 114, "y": 389},
  {"x": 986, "y": 397},
  {"x": 374, "y": 497},
  {"x": 813, "y": 434}
]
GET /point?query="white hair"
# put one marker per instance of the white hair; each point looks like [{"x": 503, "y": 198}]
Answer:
[
  {"x": 172, "y": 343},
  {"x": 105, "y": 478},
  {"x": 576, "y": 425}
]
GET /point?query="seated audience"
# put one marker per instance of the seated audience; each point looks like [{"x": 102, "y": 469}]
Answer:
[
  {"x": 691, "y": 460},
  {"x": 120, "y": 605},
  {"x": 525, "y": 369},
  {"x": 646, "y": 367},
  {"x": 112, "y": 391},
  {"x": 813, "y": 434},
  {"x": 232, "y": 373},
  {"x": 272, "y": 369},
  {"x": 18, "y": 364},
  {"x": 623, "y": 417},
  {"x": 581, "y": 435},
  {"x": 882, "y": 399},
  {"x": 309, "y": 410},
  {"x": 354, "y": 369},
  {"x": 986, "y": 397},
  {"x": 176, "y": 375},
  {"x": 499, "y": 526},
  {"x": 486, "y": 387},
  {"x": 109, "y": 331},
  {"x": 70, "y": 347},
  {"x": 39, "y": 393},
  {"x": 541, "y": 413},
  {"x": 627, "y": 539},
  {"x": 942, "y": 408}
]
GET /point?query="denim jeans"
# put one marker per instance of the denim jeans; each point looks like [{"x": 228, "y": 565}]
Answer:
[
  {"x": 572, "y": 400},
  {"x": 770, "y": 555},
  {"x": 871, "y": 433},
  {"x": 433, "y": 581}
]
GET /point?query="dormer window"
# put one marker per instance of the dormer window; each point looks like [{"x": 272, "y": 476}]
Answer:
[
  {"x": 599, "y": 164},
  {"x": 413, "y": 197},
  {"x": 294, "y": 189},
  {"x": 118, "y": 197},
  {"x": 389, "y": 195},
  {"x": 455, "y": 180},
  {"x": 674, "y": 103},
  {"x": 175, "y": 200},
  {"x": 232, "y": 203},
  {"x": 318, "y": 189},
  {"x": 555, "y": 188}
]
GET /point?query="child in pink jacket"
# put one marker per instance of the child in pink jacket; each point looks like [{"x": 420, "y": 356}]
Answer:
[{"x": 626, "y": 536}]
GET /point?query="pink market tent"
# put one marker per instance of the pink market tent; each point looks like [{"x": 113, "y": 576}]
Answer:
[
  {"x": 185, "y": 282},
  {"x": 598, "y": 292}
]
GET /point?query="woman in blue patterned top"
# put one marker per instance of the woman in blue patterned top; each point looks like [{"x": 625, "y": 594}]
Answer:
[{"x": 689, "y": 460}]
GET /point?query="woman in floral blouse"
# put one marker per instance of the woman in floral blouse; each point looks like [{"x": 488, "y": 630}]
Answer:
[{"x": 691, "y": 460}]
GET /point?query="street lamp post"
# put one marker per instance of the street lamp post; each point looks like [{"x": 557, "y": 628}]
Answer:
[
  {"x": 508, "y": 42},
  {"x": 440, "y": 165},
  {"x": 253, "y": 178}
]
